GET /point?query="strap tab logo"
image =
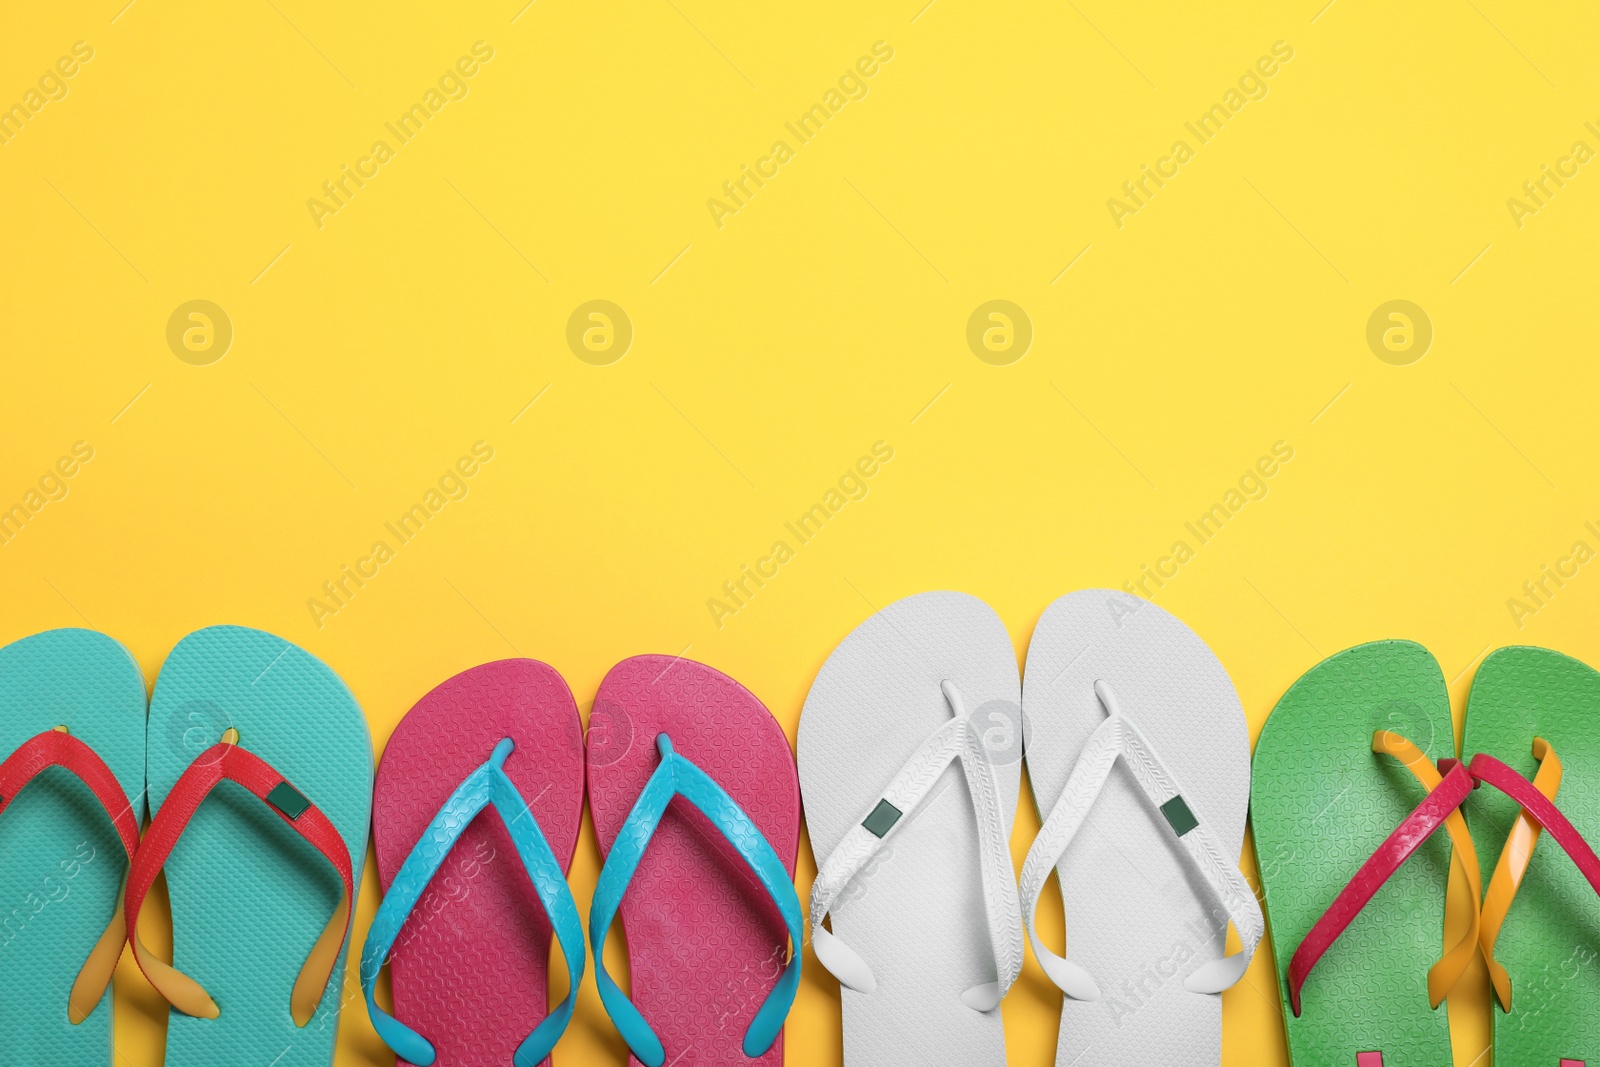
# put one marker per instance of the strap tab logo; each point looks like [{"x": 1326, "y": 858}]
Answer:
[
  {"x": 289, "y": 800},
  {"x": 882, "y": 819},
  {"x": 1182, "y": 819}
]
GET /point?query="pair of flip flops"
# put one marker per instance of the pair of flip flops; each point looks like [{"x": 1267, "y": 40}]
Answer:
[
  {"x": 692, "y": 787},
  {"x": 911, "y": 747},
  {"x": 1354, "y": 771},
  {"x": 274, "y": 744}
]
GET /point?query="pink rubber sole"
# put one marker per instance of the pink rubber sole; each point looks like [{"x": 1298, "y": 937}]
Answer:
[
  {"x": 705, "y": 942},
  {"x": 470, "y": 968}
]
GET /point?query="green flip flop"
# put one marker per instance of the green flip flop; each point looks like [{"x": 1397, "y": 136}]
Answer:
[
  {"x": 260, "y": 775},
  {"x": 1538, "y": 713},
  {"x": 72, "y": 730},
  {"x": 1345, "y": 758}
]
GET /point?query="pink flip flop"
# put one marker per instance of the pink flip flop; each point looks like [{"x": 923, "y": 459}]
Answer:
[
  {"x": 465, "y": 925},
  {"x": 696, "y": 803}
]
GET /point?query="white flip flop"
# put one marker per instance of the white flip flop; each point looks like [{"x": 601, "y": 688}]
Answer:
[
  {"x": 910, "y": 753},
  {"x": 1140, "y": 763}
]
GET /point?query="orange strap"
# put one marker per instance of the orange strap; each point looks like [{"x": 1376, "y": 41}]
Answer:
[
  {"x": 1512, "y": 865},
  {"x": 1444, "y": 974}
]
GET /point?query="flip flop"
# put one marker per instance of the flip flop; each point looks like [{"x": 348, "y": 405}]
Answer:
[
  {"x": 695, "y": 803},
  {"x": 471, "y": 899},
  {"x": 1533, "y": 713},
  {"x": 258, "y": 965},
  {"x": 72, "y": 708},
  {"x": 1345, "y": 792},
  {"x": 910, "y": 760},
  {"x": 1139, "y": 757}
]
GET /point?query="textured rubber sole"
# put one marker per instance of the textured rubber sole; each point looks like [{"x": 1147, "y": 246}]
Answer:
[
  {"x": 1550, "y": 943},
  {"x": 705, "y": 942},
  {"x": 1321, "y": 803},
  {"x": 470, "y": 968},
  {"x": 916, "y": 913},
  {"x": 61, "y": 861},
  {"x": 249, "y": 895},
  {"x": 1138, "y": 918}
]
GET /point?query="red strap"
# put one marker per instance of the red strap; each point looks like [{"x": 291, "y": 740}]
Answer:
[
  {"x": 1417, "y": 827},
  {"x": 227, "y": 761},
  {"x": 57, "y": 748},
  {"x": 1488, "y": 769}
]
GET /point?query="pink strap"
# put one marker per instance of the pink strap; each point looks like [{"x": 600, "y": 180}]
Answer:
[
  {"x": 1486, "y": 768},
  {"x": 1417, "y": 827}
]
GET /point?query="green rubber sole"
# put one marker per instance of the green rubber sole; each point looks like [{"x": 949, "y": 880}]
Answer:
[
  {"x": 1321, "y": 802},
  {"x": 61, "y": 861},
  {"x": 1550, "y": 943}
]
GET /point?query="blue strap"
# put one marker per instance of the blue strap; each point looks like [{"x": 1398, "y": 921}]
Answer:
[
  {"x": 677, "y": 776},
  {"x": 484, "y": 786}
]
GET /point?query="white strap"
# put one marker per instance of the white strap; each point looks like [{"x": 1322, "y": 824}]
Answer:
[
  {"x": 1115, "y": 737},
  {"x": 955, "y": 739}
]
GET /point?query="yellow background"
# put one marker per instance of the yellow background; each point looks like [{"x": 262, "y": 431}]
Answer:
[{"x": 829, "y": 313}]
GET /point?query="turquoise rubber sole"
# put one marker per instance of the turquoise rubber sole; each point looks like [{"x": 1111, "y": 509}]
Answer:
[
  {"x": 249, "y": 895},
  {"x": 61, "y": 861}
]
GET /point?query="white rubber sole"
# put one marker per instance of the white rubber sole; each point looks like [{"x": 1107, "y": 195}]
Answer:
[
  {"x": 1137, "y": 918},
  {"x": 916, "y": 915}
]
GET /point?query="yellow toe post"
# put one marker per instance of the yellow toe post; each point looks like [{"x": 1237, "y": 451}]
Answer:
[
  {"x": 1512, "y": 865},
  {"x": 1443, "y": 975}
]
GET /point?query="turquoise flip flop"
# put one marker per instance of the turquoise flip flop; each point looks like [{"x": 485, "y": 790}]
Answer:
[
  {"x": 70, "y": 805},
  {"x": 258, "y": 966}
]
